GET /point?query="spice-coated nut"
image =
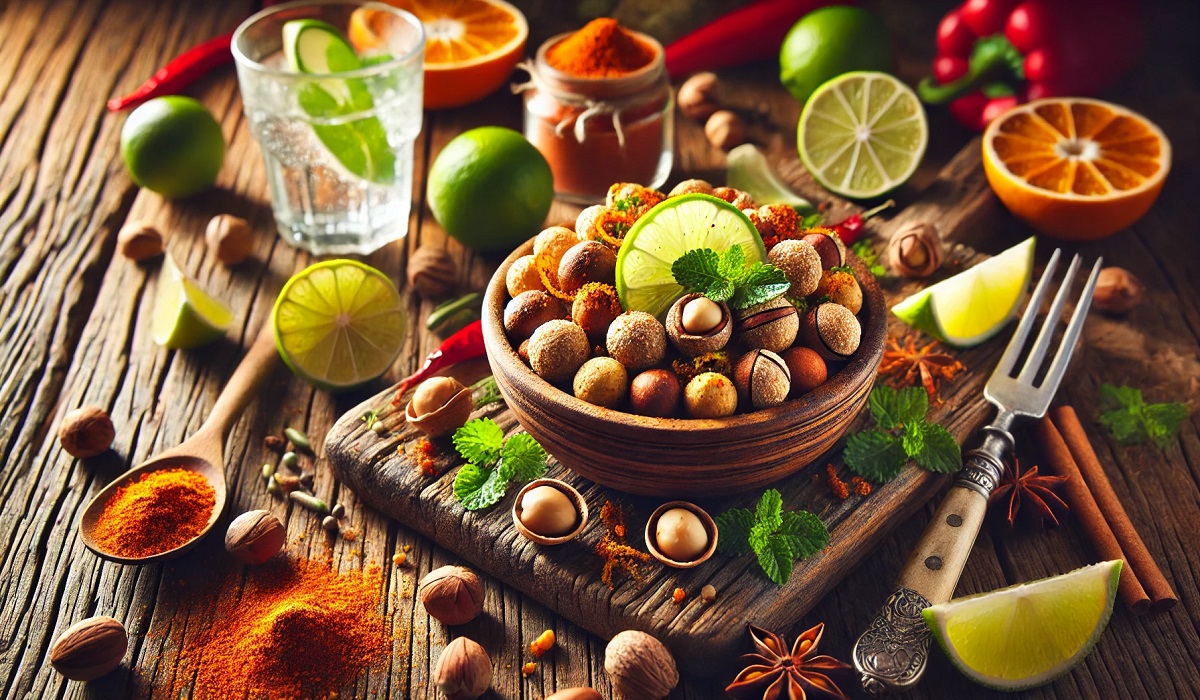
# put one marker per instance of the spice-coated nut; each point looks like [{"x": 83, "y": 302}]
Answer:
[
  {"x": 693, "y": 186},
  {"x": 463, "y": 671},
  {"x": 255, "y": 536},
  {"x": 832, "y": 331},
  {"x": 640, "y": 666},
  {"x": 89, "y": 648},
  {"x": 576, "y": 694},
  {"x": 637, "y": 340},
  {"x": 725, "y": 130},
  {"x": 451, "y": 594},
  {"x": 86, "y": 432},
  {"x": 801, "y": 264},
  {"x": 230, "y": 238},
  {"x": 738, "y": 198},
  {"x": 589, "y": 261},
  {"x": 655, "y": 393},
  {"x": 595, "y": 307},
  {"x": 522, "y": 276},
  {"x": 916, "y": 251},
  {"x": 710, "y": 395},
  {"x": 432, "y": 272},
  {"x": 527, "y": 311},
  {"x": 557, "y": 349},
  {"x": 1118, "y": 291},
  {"x": 762, "y": 379},
  {"x": 139, "y": 240},
  {"x": 699, "y": 96},
  {"x": 842, "y": 288},
  {"x": 771, "y": 325},
  {"x": 601, "y": 381}
]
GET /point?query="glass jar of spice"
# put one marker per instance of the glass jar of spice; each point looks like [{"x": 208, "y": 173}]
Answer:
[{"x": 598, "y": 106}]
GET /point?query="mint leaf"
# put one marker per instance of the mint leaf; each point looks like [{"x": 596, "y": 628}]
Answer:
[
  {"x": 523, "y": 457},
  {"x": 913, "y": 438},
  {"x": 734, "y": 527},
  {"x": 700, "y": 271},
  {"x": 939, "y": 452},
  {"x": 770, "y": 509},
  {"x": 776, "y": 537},
  {"x": 804, "y": 532},
  {"x": 893, "y": 408},
  {"x": 1124, "y": 426},
  {"x": 479, "y": 441},
  {"x": 758, "y": 284},
  {"x": 759, "y": 534},
  {"x": 1131, "y": 421},
  {"x": 1120, "y": 396},
  {"x": 468, "y": 486},
  {"x": 875, "y": 455},
  {"x": 775, "y": 558},
  {"x": 1162, "y": 421},
  {"x": 732, "y": 262}
]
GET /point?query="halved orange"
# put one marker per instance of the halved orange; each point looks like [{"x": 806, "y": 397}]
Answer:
[
  {"x": 471, "y": 46},
  {"x": 1076, "y": 168}
]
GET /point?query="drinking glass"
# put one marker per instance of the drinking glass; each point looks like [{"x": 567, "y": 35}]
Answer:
[{"x": 338, "y": 147}]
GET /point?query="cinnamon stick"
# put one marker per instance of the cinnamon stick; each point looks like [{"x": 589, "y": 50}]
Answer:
[
  {"x": 1083, "y": 505},
  {"x": 1144, "y": 567}
]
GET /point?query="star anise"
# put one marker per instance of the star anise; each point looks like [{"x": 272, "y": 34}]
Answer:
[
  {"x": 1029, "y": 487},
  {"x": 904, "y": 364},
  {"x": 774, "y": 673}
]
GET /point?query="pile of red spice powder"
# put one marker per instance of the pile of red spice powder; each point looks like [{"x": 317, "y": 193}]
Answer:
[
  {"x": 162, "y": 510},
  {"x": 601, "y": 49}
]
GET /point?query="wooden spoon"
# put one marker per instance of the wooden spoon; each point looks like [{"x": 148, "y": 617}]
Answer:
[{"x": 201, "y": 453}]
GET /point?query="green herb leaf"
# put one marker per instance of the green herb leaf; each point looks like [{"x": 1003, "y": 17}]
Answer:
[
  {"x": 870, "y": 257},
  {"x": 726, "y": 277},
  {"x": 733, "y": 262},
  {"x": 811, "y": 221},
  {"x": 523, "y": 457},
  {"x": 489, "y": 392},
  {"x": 479, "y": 441},
  {"x": 469, "y": 484},
  {"x": 770, "y": 509},
  {"x": 804, "y": 532},
  {"x": 1162, "y": 421},
  {"x": 876, "y": 455},
  {"x": 913, "y": 438},
  {"x": 1132, "y": 421},
  {"x": 893, "y": 408},
  {"x": 734, "y": 526},
  {"x": 775, "y": 558},
  {"x": 759, "y": 534},
  {"x": 776, "y": 537},
  {"x": 939, "y": 452},
  {"x": 700, "y": 271},
  {"x": 759, "y": 283}
]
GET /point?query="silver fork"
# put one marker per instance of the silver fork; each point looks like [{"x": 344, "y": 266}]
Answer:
[{"x": 892, "y": 653}]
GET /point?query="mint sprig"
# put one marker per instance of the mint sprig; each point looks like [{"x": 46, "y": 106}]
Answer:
[
  {"x": 1132, "y": 421},
  {"x": 901, "y": 433},
  {"x": 778, "y": 538},
  {"x": 726, "y": 277},
  {"x": 493, "y": 462}
]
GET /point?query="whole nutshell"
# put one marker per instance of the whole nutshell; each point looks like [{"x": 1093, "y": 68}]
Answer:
[
  {"x": 139, "y": 240},
  {"x": 762, "y": 379},
  {"x": 710, "y": 395},
  {"x": 86, "y": 432},
  {"x": 771, "y": 325},
  {"x": 255, "y": 536},
  {"x": 576, "y": 694},
  {"x": 637, "y": 340},
  {"x": 528, "y": 311},
  {"x": 916, "y": 251},
  {"x": 807, "y": 369},
  {"x": 453, "y": 595},
  {"x": 800, "y": 262},
  {"x": 640, "y": 667},
  {"x": 89, "y": 648},
  {"x": 725, "y": 130},
  {"x": 432, "y": 272},
  {"x": 601, "y": 381},
  {"x": 230, "y": 238},
  {"x": 589, "y": 261},
  {"x": 463, "y": 671},
  {"x": 699, "y": 96},
  {"x": 1118, "y": 291}
]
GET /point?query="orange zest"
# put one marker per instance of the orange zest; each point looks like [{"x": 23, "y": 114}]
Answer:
[{"x": 1075, "y": 168}]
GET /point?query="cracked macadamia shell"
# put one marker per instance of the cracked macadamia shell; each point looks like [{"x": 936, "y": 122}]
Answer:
[{"x": 693, "y": 344}]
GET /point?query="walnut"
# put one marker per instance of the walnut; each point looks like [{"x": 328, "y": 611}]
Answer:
[
  {"x": 451, "y": 594},
  {"x": 640, "y": 666},
  {"x": 463, "y": 671},
  {"x": 1117, "y": 291},
  {"x": 699, "y": 96},
  {"x": 89, "y": 648},
  {"x": 916, "y": 251},
  {"x": 139, "y": 240},
  {"x": 230, "y": 238},
  {"x": 432, "y": 272},
  {"x": 86, "y": 432},
  {"x": 254, "y": 537},
  {"x": 725, "y": 130}
]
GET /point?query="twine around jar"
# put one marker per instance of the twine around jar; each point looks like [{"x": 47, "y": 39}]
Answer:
[{"x": 591, "y": 108}]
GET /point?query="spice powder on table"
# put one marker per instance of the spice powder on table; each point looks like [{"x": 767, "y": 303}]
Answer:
[{"x": 162, "y": 510}]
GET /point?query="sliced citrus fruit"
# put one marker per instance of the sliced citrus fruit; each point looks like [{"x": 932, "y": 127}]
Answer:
[
  {"x": 184, "y": 316},
  {"x": 663, "y": 234},
  {"x": 1075, "y": 168},
  {"x": 339, "y": 323},
  {"x": 1029, "y": 634},
  {"x": 747, "y": 169},
  {"x": 862, "y": 134},
  {"x": 972, "y": 306},
  {"x": 471, "y": 46}
]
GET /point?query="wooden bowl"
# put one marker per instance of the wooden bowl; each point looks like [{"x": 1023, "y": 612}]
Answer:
[
  {"x": 577, "y": 500},
  {"x": 684, "y": 457},
  {"x": 710, "y": 526}
]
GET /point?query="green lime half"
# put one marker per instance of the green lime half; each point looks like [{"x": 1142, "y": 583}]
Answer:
[
  {"x": 184, "y": 316},
  {"x": 1029, "y": 634},
  {"x": 359, "y": 144},
  {"x": 747, "y": 169},
  {"x": 663, "y": 234},
  {"x": 972, "y": 306},
  {"x": 862, "y": 134},
  {"x": 339, "y": 323}
]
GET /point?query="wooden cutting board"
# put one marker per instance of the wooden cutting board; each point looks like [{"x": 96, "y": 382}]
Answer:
[{"x": 383, "y": 472}]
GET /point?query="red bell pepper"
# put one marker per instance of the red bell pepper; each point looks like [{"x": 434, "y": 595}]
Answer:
[{"x": 995, "y": 54}]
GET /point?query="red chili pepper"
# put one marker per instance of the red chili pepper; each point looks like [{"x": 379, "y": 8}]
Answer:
[
  {"x": 851, "y": 229},
  {"x": 751, "y": 33},
  {"x": 466, "y": 344},
  {"x": 183, "y": 70},
  {"x": 995, "y": 54}
]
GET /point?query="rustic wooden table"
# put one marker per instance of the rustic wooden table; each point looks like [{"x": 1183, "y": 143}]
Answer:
[{"x": 74, "y": 318}]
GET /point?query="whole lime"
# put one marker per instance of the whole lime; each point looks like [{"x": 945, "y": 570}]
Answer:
[
  {"x": 490, "y": 188},
  {"x": 831, "y": 41},
  {"x": 173, "y": 146}
]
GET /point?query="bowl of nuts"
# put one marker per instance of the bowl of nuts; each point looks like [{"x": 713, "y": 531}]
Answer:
[{"x": 663, "y": 390}]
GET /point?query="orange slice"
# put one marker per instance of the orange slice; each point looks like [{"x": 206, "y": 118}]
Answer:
[
  {"x": 1075, "y": 168},
  {"x": 471, "y": 46}
]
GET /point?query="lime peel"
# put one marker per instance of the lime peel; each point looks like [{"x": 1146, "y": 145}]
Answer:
[{"x": 184, "y": 315}]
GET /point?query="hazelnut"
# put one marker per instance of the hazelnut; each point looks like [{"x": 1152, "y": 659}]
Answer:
[
  {"x": 86, "y": 432},
  {"x": 439, "y": 406},
  {"x": 453, "y": 595},
  {"x": 557, "y": 349},
  {"x": 523, "y": 276},
  {"x": 254, "y": 537},
  {"x": 693, "y": 186},
  {"x": 595, "y": 307},
  {"x": 656, "y": 393},
  {"x": 801, "y": 263},
  {"x": 230, "y": 238},
  {"x": 139, "y": 240},
  {"x": 696, "y": 325},
  {"x": 637, "y": 340},
  {"x": 601, "y": 381},
  {"x": 739, "y": 199},
  {"x": 915, "y": 251},
  {"x": 829, "y": 247},
  {"x": 463, "y": 671},
  {"x": 588, "y": 222},
  {"x": 832, "y": 331},
  {"x": 1118, "y": 291},
  {"x": 89, "y": 648},
  {"x": 762, "y": 379},
  {"x": 842, "y": 288},
  {"x": 640, "y": 667},
  {"x": 589, "y": 261},
  {"x": 725, "y": 130},
  {"x": 771, "y": 325},
  {"x": 710, "y": 395},
  {"x": 699, "y": 96},
  {"x": 576, "y": 694},
  {"x": 527, "y": 311},
  {"x": 807, "y": 369},
  {"x": 433, "y": 273}
]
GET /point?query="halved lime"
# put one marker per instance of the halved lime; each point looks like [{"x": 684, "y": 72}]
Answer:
[
  {"x": 184, "y": 316},
  {"x": 862, "y": 134},
  {"x": 339, "y": 323},
  {"x": 1029, "y": 634},
  {"x": 972, "y": 306},
  {"x": 747, "y": 169},
  {"x": 663, "y": 234}
]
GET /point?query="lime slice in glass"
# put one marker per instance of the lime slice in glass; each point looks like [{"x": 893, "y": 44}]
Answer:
[
  {"x": 360, "y": 144},
  {"x": 862, "y": 134},
  {"x": 972, "y": 306},
  {"x": 339, "y": 323},
  {"x": 747, "y": 169},
  {"x": 1029, "y": 634},
  {"x": 184, "y": 316},
  {"x": 663, "y": 234}
]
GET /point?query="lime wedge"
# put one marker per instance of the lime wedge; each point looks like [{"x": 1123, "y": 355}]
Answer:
[
  {"x": 359, "y": 144},
  {"x": 747, "y": 169},
  {"x": 661, "y": 235},
  {"x": 862, "y": 134},
  {"x": 184, "y": 316},
  {"x": 972, "y": 306},
  {"x": 339, "y": 323},
  {"x": 1029, "y": 634}
]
